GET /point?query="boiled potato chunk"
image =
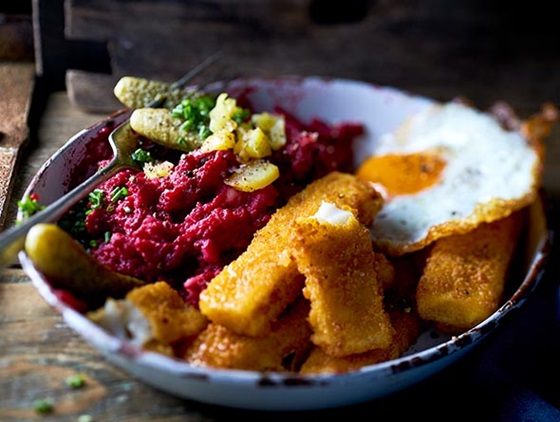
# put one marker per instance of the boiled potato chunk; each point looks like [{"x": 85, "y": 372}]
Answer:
[
  {"x": 252, "y": 143},
  {"x": 221, "y": 114},
  {"x": 255, "y": 175},
  {"x": 220, "y": 141},
  {"x": 274, "y": 126}
]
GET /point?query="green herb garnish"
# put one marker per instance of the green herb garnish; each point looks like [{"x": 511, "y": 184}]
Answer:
[
  {"x": 96, "y": 199},
  {"x": 43, "y": 406},
  {"x": 204, "y": 132},
  {"x": 28, "y": 206},
  {"x": 74, "y": 221},
  {"x": 142, "y": 156},
  {"x": 195, "y": 114},
  {"x": 241, "y": 115},
  {"x": 118, "y": 193},
  {"x": 76, "y": 381}
]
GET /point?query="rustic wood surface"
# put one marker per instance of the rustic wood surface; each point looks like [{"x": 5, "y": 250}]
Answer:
[
  {"x": 482, "y": 50},
  {"x": 16, "y": 86}
]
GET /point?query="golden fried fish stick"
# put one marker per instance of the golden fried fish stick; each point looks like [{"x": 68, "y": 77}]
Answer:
[
  {"x": 170, "y": 317},
  {"x": 248, "y": 294},
  {"x": 464, "y": 276},
  {"x": 152, "y": 316},
  {"x": 282, "y": 349},
  {"x": 385, "y": 271},
  {"x": 407, "y": 326},
  {"x": 342, "y": 284}
]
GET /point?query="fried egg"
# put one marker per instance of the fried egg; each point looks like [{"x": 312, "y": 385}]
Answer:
[{"x": 444, "y": 171}]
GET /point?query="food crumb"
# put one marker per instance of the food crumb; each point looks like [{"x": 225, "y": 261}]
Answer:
[
  {"x": 85, "y": 418},
  {"x": 43, "y": 406},
  {"x": 76, "y": 381}
]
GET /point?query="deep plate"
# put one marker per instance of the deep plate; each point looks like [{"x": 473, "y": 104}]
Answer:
[{"x": 381, "y": 110}]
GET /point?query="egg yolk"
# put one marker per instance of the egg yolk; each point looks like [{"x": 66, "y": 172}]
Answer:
[{"x": 402, "y": 174}]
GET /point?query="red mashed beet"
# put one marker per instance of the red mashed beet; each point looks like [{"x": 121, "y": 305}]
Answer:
[{"x": 183, "y": 228}]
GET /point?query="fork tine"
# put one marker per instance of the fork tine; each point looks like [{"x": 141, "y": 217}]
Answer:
[{"x": 180, "y": 83}]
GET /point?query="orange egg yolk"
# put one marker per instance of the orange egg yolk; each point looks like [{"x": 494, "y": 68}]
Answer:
[{"x": 402, "y": 174}]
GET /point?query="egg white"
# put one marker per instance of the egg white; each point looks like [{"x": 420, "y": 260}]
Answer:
[{"x": 489, "y": 173}]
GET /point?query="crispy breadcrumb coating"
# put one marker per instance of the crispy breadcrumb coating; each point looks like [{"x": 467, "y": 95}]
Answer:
[
  {"x": 153, "y": 316},
  {"x": 343, "y": 286},
  {"x": 248, "y": 294},
  {"x": 407, "y": 329},
  {"x": 465, "y": 275},
  {"x": 170, "y": 317},
  {"x": 282, "y": 349}
]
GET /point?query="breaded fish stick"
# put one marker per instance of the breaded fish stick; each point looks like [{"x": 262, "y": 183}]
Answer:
[
  {"x": 282, "y": 349},
  {"x": 464, "y": 276},
  {"x": 253, "y": 290},
  {"x": 407, "y": 329},
  {"x": 153, "y": 316},
  {"x": 342, "y": 283}
]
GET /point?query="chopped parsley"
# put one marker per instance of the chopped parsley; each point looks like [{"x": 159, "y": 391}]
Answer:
[
  {"x": 74, "y": 221},
  {"x": 118, "y": 193},
  {"x": 195, "y": 114},
  {"x": 76, "y": 381},
  {"x": 95, "y": 199},
  {"x": 142, "y": 156},
  {"x": 241, "y": 115},
  {"x": 28, "y": 206},
  {"x": 43, "y": 406}
]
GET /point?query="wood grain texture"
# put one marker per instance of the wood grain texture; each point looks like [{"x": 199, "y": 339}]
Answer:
[
  {"x": 425, "y": 46},
  {"x": 16, "y": 85},
  {"x": 38, "y": 352},
  {"x": 487, "y": 51},
  {"x": 59, "y": 121}
]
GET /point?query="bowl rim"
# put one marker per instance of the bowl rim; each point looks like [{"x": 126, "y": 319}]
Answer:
[{"x": 419, "y": 359}]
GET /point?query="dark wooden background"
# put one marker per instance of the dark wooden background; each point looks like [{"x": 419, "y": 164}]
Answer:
[
  {"x": 483, "y": 49},
  {"x": 59, "y": 61}
]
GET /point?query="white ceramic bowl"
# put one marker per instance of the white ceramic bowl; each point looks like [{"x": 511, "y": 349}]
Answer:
[{"x": 380, "y": 109}]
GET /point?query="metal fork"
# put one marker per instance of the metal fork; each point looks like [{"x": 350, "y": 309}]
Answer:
[{"x": 123, "y": 143}]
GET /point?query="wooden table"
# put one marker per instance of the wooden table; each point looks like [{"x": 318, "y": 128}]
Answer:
[{"x": 38, "y": 351}]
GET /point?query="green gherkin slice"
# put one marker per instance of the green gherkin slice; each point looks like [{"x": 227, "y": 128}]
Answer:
[
  {"x": 136, "y": 92},
  {"x": 159, "y": 125}
]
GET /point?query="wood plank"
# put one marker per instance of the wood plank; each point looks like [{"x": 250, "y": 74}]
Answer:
[
  {"x": 16, "y": 33},
  {"x": 58, "y": 123},
  {"x": 16, "y": 86},
  {"x": 424, "y": 47},
  {"x": 38, "y": 352},
  {"x": 84, "y": 88}
]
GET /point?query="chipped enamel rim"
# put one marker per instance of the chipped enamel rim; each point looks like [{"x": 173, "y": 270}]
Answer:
[{"x": 382, "y": 109}]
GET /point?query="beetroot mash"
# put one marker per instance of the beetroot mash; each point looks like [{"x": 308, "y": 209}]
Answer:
[{"x": 184, "y": 227}]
